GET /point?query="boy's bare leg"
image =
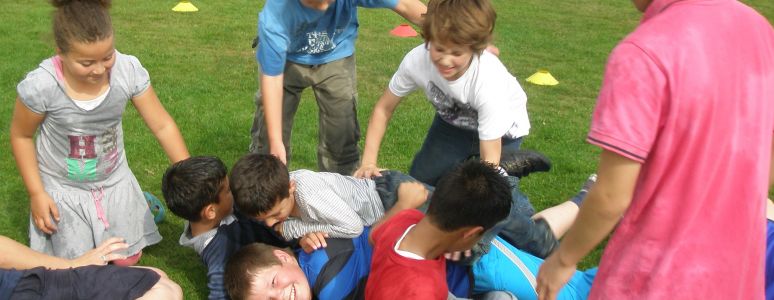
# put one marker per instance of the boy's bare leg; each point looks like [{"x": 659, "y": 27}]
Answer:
[{"x": 559, "y": 217}]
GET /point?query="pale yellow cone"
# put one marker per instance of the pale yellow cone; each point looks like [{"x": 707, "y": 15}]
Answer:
[
  {"x": 185, "y": 6},
  {"x": 542, "y": 77}
]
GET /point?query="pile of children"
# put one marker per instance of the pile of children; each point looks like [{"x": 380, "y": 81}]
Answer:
[{"x": 457, "y": 226}]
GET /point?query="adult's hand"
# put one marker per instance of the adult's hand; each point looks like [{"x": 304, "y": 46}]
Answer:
[{"x": 102, "y": 254}]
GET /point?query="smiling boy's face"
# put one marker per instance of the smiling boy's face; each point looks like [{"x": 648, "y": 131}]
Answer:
[
  {"x": 284, "y": 281},
  {"x": 451, "y": 60}
]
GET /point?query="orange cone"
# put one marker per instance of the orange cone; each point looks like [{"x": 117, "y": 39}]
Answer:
[{"x": 404, "y": 30}]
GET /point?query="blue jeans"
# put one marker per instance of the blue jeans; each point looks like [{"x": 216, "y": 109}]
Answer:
[
  {"x": 445, "y": 147},
  {"x": 387, "y": 188},
  {"x": 518, "y": 228}
]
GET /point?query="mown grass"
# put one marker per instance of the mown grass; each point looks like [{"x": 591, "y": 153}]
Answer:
[{"x": 204, "y": 71}]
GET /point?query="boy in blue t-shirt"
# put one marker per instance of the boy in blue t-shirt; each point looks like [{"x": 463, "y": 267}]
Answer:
[{"x": 311, "y": 43}]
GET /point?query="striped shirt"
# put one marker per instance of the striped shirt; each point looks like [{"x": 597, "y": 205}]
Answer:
[{"x": 332, "y": 203}]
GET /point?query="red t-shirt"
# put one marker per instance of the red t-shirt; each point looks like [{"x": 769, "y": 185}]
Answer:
[
  {"x": 690, "y": 95},
  {"x": 396, "y": 277}
]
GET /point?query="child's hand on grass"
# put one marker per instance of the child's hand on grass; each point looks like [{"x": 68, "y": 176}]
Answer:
[
  {"x": 313, "y": 241},
  {"x": 412, "y": 194}
]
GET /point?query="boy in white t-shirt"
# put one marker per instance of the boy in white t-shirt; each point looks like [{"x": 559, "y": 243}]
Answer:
[{"x": 480, "y": 107}]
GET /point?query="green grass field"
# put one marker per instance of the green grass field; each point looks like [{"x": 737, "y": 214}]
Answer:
[{"x": 204, "y": 72}]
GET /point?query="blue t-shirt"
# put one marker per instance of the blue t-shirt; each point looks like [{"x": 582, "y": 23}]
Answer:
[
  {"x": 340, "y": 270},
  {"x": 769, "y": 259},
  {"x": 288, "y": 30}
]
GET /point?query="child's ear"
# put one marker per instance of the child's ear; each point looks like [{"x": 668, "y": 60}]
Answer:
[
  {"x": 292, "y": 188},
  {"x": 209, "y": 212},
  {"x": 473, "y": 232},
  {"x": 283, "y": 256}
]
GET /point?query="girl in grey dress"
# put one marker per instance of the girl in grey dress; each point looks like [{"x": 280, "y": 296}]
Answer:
[{"x": 81, "y": 189}]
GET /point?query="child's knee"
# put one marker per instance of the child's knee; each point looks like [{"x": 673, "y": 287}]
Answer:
[{"x": 129, "y": 261}]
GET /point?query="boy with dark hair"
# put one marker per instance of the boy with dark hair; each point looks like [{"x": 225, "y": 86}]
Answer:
[
  {"x": 197, "y": 189},
  {"x": 302, "y": 203},
  {"x": 473, "y": 195},
  {"x": 194, "y": 184},
  {"x": 408, "y": 259},
  {"x": 315, "y": 205}
]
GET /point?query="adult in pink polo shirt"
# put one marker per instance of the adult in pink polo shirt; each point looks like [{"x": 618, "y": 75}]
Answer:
[{"x": 685, "y": 120}]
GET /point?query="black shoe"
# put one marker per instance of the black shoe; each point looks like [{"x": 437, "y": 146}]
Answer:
[{"x": 520, "y": 163}]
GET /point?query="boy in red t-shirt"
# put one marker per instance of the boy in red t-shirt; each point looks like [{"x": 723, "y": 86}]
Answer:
[{"x": 408, "y": 260}]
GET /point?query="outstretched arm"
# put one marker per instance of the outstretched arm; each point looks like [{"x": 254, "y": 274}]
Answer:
[
  {"x": 271, "y": 97},
  {"x": 411, "y": 10},
  {"x": 377, "y": 126},
  {"x": 605, "y": 204},
  {"x": 161, "y": 125},
  {"x": 18, "y": 256}
]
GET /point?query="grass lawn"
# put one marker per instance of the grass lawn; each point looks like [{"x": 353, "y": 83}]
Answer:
[{"x": 204, "y": 71}]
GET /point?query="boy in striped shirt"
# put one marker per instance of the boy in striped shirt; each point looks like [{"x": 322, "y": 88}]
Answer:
[{"x": 312, "y": 206}]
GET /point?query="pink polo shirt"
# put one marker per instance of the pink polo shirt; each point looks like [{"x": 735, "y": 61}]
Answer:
[{"x": 690, "y": 95}]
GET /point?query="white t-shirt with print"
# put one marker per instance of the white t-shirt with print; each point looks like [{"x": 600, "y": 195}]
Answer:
[{"x": 487, "y": 98}]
